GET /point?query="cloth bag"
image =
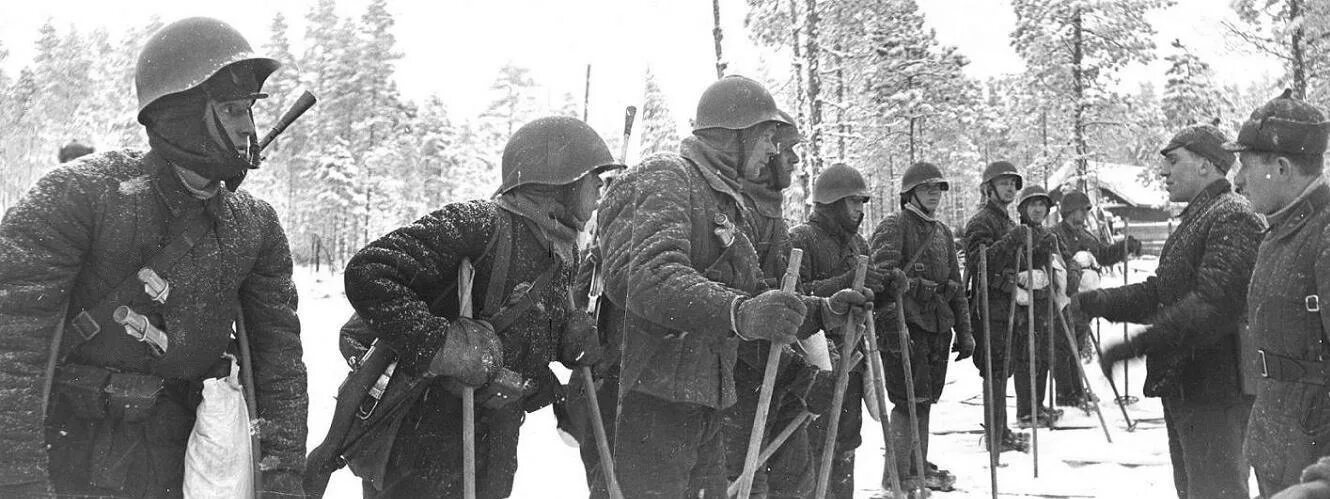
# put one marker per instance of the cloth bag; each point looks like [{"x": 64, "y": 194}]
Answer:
[{"x": 218, "y": 459}]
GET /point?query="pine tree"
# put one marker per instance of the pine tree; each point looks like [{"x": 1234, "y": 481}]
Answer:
[
  {"x": 1295, "y": 32},
  {"x": 1190, "y": 95},
  {"x": 659, "y": 131}
]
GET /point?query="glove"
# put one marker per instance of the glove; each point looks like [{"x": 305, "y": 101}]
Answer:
[
  {"x": 896, "y": 283},
  {"x": 774, "y": 316},
  {"x": 279, "y": 484},
  {"x": 1089, "y": 303},
  {"x": 1045, "y": 240},
  {"x": 471, "y": 353},
  {"x": 1016, "y": 236},
  {"x": 874, "y": 279},
  {"x": 1320, "y": 470},
  {"x": 963, "y": 346},
  {"x": 580, "y": 344},
  {"x": 1116, "y": 353},
  {"x": 1318, "y": 489},
  {"x": 841, "y": 302},
  {"x": 1133, "y": 245}
]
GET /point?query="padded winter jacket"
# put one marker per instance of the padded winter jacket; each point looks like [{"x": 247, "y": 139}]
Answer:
[
  {"x": 87, "y": 226},
  {"x": 1196, "y": 300},
  {"x": 895, "y": 240}
]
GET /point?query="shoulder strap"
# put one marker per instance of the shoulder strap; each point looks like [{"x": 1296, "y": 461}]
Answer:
[
  {"x": 503, "y": 253},
  {"x": 190, "y": 229},
  {"x": 918, "y": 252}
]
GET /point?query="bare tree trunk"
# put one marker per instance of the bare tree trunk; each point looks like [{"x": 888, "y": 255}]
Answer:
[
  {"x": 716, "y": 37},
  {"x": 814, "y": 89},
  {"x": 1078, "y": 87},
  {"x": 805, "y": 176},
  {"x": 842, "y": 128},
  {"x": 1298, "y": 52}
]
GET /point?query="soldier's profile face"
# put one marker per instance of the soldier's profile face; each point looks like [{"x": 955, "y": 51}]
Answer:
[
  {"x": 1257, "y": 180},
  {"x": 587, "y": 194},
  {"x": 1180, "y": 171},
  {"x": 854, "y": 206},
  {"x": 237, "y": 122}
]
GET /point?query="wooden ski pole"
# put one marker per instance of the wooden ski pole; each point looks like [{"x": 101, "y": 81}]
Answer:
[
  {"x": 602, "y": 441},
  {"x": 768, "y": 385},
  {"x": 849, "y": 336},
  {"x": 890, "y": 477},
  {"x": 464, "y": 308},
  {"x": 1085, "y": 380},
  {"x": 251, "y": 396},
  {"x": 1052, "y": 353},
  {"x": 1126, "y": 280},
  {"x": 909, "y": 390},
  {"x": 994, "y": 433},
  {"x": 1029, "y": 328}
]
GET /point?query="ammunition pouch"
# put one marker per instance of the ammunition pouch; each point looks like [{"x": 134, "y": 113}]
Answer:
[{"x": 97, "y": 393}]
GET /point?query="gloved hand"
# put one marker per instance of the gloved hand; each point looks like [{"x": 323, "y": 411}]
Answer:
[
  {"x": 1115, "y": 353},
  {"x": 1045, "y": 240},
  {"x": 580, "y": 344},
  {"x": 1089, "y": 303},
  {"x": 874, "y": 279},
  {"x": 963, "y": 345},
  {"x": 1317, "y": 489},
  {"x": 841, "y": 302},
  {"x": 774, "y": 316},
  {"x": 1320, "y": 470},
  {"x": 279, "y": 484},
  {"x": 1133, "y": 245},
  {"x": 471, "y": 353},
  {"x": 896, "y": 283},
  {"x": 1015, "y": 236}
]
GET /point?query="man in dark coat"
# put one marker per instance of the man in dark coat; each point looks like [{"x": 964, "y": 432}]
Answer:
[
  {"x": 1033, "y": 289},
  {"x": 993, "y": 227},
  {"x": 397, "y": 283},
  {"x": 1281, "y": 151},
  {"x": 831, "y": 243},
  {"x": 1194, "y": 305},
  {"x": 84, "y": 244},
  {"x": 1083, "y": 253},
  {"x": 677, "y": 238},
  {"x": 922, "y": 247},
  {"x": 792, "y": 470}
]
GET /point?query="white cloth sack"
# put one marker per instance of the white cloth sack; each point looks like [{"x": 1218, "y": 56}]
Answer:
[{"x": 218, "y": 462}]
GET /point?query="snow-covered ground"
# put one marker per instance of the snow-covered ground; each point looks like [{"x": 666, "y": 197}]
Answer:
[{"x": 1073, "y": 462}]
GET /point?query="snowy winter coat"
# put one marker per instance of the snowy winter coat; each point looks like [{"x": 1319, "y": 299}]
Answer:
[
  {"x": 935, "y": 302},
  {"x": 1196, "y": 300},
  {"x": 991, "y": 226},
  {"x": 829, "y": 252},
  {"x": 1290, "y": 421},
  {"x": 88, "y": 225},
  {"x": 393, "y": 281},
  {"x": 1077, "y": 239}
]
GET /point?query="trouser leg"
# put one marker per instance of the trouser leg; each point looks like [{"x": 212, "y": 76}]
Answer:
[
  {"x": 1209, "y": 437},
  {"x": 669, "y": 449}
]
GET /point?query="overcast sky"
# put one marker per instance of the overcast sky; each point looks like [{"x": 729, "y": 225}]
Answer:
[{"x": 454, "y": 47}]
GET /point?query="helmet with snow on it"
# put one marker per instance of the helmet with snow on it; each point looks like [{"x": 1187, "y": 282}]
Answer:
[
  {"x": 735, "y": 103},
  {"x": 1073, "y": 201},
  {"x": 999, "y": 169},
  {"x": 184, "y": 54},
  {"x": 554, "y": 150},
  {"x": 838, "y": 182},
  {"x": 922, "y": 173},
  {"x": 1034, "y": 192}
]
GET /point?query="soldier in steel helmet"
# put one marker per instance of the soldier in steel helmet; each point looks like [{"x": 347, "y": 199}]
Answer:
[
  {"x": 1193, "y": 307},
  {"x": 1084, "y": 254},
  {"x": 915, "y": 243},
  {"x": 800, "y": 386},
  {"x": 404, "y": 285},
  {"x": 831, "y": 243},
  {"x": 992, "y": 227},
  {"x": 1281, "y": 150},
  {"x": 679, "y": 242},
  {"x": 95, "y": 236},
  {"x": 1033, "y": 289}
]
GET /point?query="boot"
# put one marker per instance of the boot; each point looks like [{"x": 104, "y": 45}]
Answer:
[
  {"x": 938, "y": 479},
  {"x": 1011, "y": 441}
]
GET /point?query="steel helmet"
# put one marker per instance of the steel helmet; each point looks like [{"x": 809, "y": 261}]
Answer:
[
  {"x": 1074, "y": 200},
  {"x": 1001, "y": 168},
  {"x": 837, "y": 182},
  {"x": 735, "y": 103},
  {"x": 185, "y": 53},
  {"x": 554, "y": 150},
  {"x": 922, "y": 173},
  {"x": 1034, "y": 192}
]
